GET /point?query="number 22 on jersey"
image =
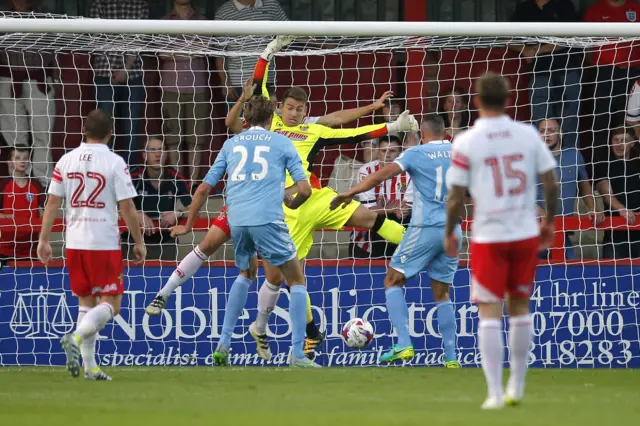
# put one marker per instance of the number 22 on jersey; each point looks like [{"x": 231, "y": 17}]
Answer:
[
  {"x": 91, "y": 201},
  {"x": 505, "y": 171},
  {"x": 239, "y": 172}
]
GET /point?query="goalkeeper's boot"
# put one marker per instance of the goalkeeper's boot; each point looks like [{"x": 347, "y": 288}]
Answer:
[
  {"x": 303, "y": 362},
  {"x": 71, "y": 345},
  {"x": 157, "y": 305},
  {"x": 398, "y": 353},
  {"x": 452, "y": 364},
  {"x": 492, "y": 403},
  {"x": 311, "y": 345},
  {"x": 221, "y": 356},
  {"x": 96, "y": 374},
  {"x": 262, "y": 343}
]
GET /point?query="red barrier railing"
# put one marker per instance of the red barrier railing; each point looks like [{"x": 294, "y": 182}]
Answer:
[{"x": 557, "y": 252}]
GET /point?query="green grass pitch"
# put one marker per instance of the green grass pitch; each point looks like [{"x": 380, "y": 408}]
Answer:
[{"x": 332, "y": 397}]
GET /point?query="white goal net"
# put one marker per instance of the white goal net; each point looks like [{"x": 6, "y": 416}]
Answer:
[{"x": 170, "y": 113}]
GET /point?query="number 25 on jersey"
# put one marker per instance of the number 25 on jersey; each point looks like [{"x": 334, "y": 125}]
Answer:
[{"x": 238, "y": 173}]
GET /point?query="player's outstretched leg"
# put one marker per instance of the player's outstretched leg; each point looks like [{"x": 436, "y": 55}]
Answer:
[
  {"x": 446, "y": 322},
  {"x": 399, "y": 315},
  {"x": 214, "y": 239},
  {"x": 235, "y": 305},
  {"x": 491, "y": 348},
  {"x": 520, "y": 336},
  {"x": 388, "y": 229}
]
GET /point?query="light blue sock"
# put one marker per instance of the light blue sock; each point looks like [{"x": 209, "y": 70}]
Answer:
[
  {"x": 298, "y": 314},
  {"x": 447, "y": 326},
  {"x": 235, "y": 304},
  {"x": 399, "y": 314}
]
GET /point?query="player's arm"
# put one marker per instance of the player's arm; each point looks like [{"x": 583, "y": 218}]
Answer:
[
  {"x": 262, "y": 66},
  {"x": 126, "y": 195},
  {"x": 233, "y": 120},
  {"x": 294, "y": 167},
  {"x": 458, "y": 181},
  {"x": 387, "y": 172},
  {"x": 342, "y": 117},
  {"x": 202, "y": 193}
]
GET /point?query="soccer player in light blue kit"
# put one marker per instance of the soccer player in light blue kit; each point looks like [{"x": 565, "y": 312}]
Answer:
[
  {"x": 256, "y": 163},
  {"x": 422, "y": 245}
]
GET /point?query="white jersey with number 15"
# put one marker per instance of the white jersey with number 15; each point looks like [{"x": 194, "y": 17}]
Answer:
[
  {"x": 499, "y": 161},
  {"x": 92, "y": 179}
]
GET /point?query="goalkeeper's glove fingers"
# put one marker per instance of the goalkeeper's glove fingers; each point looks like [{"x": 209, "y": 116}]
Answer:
[
  {"x": 404, "y": 123},
  {"x": 275, "y": 46}
]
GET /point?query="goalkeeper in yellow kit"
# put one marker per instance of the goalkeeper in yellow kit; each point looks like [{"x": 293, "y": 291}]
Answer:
[{"x": 308, "y": 137}]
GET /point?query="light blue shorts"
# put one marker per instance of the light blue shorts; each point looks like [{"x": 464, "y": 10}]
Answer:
[
  {"x": 420, "y": 249},
  {"x": 271, "y": 240}
]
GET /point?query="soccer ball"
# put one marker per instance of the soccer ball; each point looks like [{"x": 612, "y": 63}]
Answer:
[{"x": 357, "y": 333}]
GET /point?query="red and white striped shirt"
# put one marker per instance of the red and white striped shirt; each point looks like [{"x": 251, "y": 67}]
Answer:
[{"x": 397, "y": 190}]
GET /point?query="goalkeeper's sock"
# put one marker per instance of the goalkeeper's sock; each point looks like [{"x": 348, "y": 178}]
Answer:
[
  {"x": 399, "y": 314},
  {"x": 297, "y": 310},
  {"x": 185, "y": 270},
  {"x": 313, "y": 332},
  {"x": 492, "y": 352},
  {"x": 520, "y": 335},
  {"x": 447, "y": 327},
  {"x": 267, "y": 298},
  {"x": 235, "y": 305},
  {"x": 389, "y": 230},
  {"x": 94, "y": 320},
  {"x": 88, "y": 345}
]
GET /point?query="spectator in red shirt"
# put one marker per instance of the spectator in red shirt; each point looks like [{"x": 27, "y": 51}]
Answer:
[
  {"x": 618, "y": 67},
  {"x": 21, "y": 199}
]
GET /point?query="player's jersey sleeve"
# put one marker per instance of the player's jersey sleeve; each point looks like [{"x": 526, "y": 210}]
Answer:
[
  {"x": 458, "y": 173},
  {"x": 293, "y": 161},
  {"x": 219, "y": 167},
  {"x": 544, "y": 157},
  {"x": 633, "y": 105},
  {"x": 56, "y": 187},
  {"x": 122, "y": 184},
  {"x": 311, "y": 120},
  {"x": 367, "y": 198},
  {"x": 409, "y": 194},
  {"x": 405, "y": 160}
]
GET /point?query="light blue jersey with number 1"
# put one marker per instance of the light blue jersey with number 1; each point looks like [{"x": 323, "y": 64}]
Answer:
[
  {"x": 256, "y": 162},
  {"x": 427, "y": 164}
]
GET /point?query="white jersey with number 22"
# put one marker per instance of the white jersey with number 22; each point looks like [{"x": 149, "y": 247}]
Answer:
[
  {"x": 92, "y": 179},
  {"x": 499, "y": 161}
]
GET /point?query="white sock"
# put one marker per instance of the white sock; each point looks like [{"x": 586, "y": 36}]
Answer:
[
  {"x": 94, "y": 320},
  {"x": 520, "y": 335},
  {"x": 185, "y": 270},
  {"x": 88, "y": 345},
  {"x": 492, "y": 352},
  {"x": 267, "y": 299}
]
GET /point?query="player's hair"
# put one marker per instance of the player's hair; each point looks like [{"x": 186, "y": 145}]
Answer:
[
  {"x": 98, "y": 124},
  {"x": 493, "y": 91},
  {"x": 258, "y": 111},
  {"x": 434, "y": 124},
  {"x": 295, "y": 93},
  {"x": 18, "y": 148}
]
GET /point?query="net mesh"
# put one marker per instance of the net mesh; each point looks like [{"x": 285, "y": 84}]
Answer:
[{"x": 586, "y": 306}]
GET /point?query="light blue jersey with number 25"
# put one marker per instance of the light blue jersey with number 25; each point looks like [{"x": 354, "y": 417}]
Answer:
[
  {"x": 427, "y": 164},
  {"x": 256, "y": 162}
]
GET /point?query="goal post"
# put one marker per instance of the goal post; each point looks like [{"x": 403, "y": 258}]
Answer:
[{"x": 586, "y": 310}]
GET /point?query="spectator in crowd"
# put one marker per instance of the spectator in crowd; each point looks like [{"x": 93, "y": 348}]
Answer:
[
  {"x": 185, "y": 100},
  {"x": 390, "y": 112},
  {"x": 572, "y": 177},
  {"x": 554, "y": 81},
  {"x": 393, "y": 199},
  {"x": 618, "y": 67},
  {"x": 27, "y": 96},
  {"x": 454, "y": 110},
  {"x": 159, "y": 189},
  {"x": 118, "y": 76},
  {"x": 346, "y": 169},
  {"x": 618, "y": 180},
  {"x": 21, "y": 199},
  {"x": 234, "y": 71},
  {"x": 411, "y": 139}
]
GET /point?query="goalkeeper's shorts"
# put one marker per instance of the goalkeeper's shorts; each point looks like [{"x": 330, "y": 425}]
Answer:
[{"x": 315, "y": 214}]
